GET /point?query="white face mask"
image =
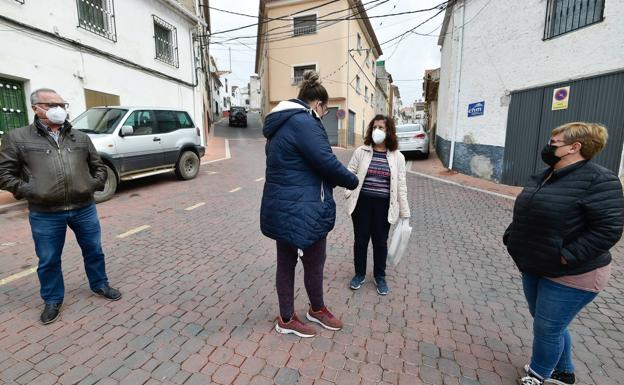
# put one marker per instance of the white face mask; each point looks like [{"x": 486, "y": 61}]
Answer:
[
  {"x": 378, "y": 136},
  {"x": 56, "y": 115}
]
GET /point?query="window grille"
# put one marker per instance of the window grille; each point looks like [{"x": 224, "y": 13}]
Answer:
[
  {"x": 97, "y": 16},
  {"x": 166, "y": 39},
  {"x": 563, "y": 16}
]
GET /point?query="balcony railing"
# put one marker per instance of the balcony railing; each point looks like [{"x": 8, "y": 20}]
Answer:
[{"x": 304, "y": 30}]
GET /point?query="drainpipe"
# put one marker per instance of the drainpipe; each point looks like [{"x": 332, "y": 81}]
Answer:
[
  {"x": 347, "y": 115},
  {"x": 457, "y": 84}
]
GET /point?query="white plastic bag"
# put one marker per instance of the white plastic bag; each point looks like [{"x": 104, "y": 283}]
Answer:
[{"x": 399, "y": 241}]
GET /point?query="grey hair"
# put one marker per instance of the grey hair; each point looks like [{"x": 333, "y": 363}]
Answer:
[{"x": 34, "y": 96}]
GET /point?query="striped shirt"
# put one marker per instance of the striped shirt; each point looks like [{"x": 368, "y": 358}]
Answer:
[
  {"x": 377, "y": 181},
  {"x": 54, "y": 134}
]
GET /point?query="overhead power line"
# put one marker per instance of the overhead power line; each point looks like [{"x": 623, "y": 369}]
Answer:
[
  {"x": 292, "y": 14},
  {"x": 287, "y": 33},
  {"x": 283, "y": 18},
  {"x": 400, "y": 36}
]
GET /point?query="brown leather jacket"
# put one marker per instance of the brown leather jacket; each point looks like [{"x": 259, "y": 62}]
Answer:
[{"x": 52, "y": 177}]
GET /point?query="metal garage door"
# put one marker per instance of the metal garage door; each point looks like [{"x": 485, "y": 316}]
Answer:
[
  {"x": 531, "y": 119},
  {"x": 330, "y": 121},
  {"x": 351, "y": 132}
]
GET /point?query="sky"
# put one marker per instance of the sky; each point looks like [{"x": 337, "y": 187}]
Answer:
[{"x": 406, "y": 62}]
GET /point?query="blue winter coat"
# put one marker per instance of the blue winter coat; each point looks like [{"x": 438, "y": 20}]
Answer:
[{"x": 301, "y": 171}]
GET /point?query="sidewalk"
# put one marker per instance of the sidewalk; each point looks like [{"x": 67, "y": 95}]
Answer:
[{"x": 434, "y": 168}]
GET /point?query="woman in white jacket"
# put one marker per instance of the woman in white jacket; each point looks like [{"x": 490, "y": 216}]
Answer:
[{"x": 379, "y": 200}]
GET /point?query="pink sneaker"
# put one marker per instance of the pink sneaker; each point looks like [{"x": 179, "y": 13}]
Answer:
[
  {"x": 325, "y": 318},
  {"x": 294, "y": 326}
]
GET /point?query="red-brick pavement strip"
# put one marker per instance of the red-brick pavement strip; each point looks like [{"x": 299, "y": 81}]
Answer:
[
  {"x": 215, "y": 150},
  {"x": 199, "y": 298},
  {"x": 432, "y": 166}
]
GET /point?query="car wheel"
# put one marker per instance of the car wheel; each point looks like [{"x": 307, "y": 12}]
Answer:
[
  {"x": 109, "y": 188},
  {"x": 424, "y": 155},
  {"x": 188, "y": 165}
]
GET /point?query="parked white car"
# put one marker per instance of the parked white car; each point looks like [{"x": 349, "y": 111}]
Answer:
[
  {"x": 413, "y": 139},
  {"x": 136, "y": 142}
]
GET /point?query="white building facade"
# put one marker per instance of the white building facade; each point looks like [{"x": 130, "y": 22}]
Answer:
[
  {"x": 255, "y": 93},
  {"x": 103, "y": 52},
  {"x": 502, "y": 64}
]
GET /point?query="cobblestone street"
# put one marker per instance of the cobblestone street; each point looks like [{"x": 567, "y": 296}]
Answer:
[{"x": 199, "y": 300}]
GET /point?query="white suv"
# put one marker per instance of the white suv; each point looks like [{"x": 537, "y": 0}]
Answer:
[{"x": 136, "y": 142}]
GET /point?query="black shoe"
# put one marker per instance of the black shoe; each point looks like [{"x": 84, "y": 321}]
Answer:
[
  {"x": 561, "y": 378},
  {"x": 51, "y": 312},
  {"x": 108, "y": 293}
]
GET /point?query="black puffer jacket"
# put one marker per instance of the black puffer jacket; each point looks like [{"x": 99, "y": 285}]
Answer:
[
  {"x": 52, "y": 177},
  {"x": 578, "y": 214}
]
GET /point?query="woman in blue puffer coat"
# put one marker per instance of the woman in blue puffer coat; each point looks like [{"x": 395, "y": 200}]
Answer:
[{"x": 298, "y": 209}]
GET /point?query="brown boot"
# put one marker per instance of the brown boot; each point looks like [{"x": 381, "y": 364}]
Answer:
[
  {"x": 294, "y": 326},
  {"x": 325, "y": 318}
]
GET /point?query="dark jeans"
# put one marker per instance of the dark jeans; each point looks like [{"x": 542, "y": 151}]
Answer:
[
  {"x": 553, "y": 306},
  {"x": 370, "y": 221},
  {"x": 313, "y": 260},
  {"x": 48, "y": 230}
]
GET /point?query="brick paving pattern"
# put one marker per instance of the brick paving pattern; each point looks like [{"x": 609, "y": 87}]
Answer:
[{"x": 199, "y": 299}]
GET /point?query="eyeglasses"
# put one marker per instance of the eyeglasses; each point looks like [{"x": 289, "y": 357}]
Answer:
[
  {"x": 324, "y": 110},
  {"x": 52, "y": 105}
]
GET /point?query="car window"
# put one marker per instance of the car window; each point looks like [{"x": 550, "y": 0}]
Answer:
[
  {"x": 409, "y": 128},
  {"x": 184, "y": 119},
  {"x": 99, "y": 120},
  {"x": 142, "y": 122},
  {"x": 167, "y": 121}
]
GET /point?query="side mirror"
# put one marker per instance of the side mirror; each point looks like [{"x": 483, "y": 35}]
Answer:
[{"x": 127, "y": 131}]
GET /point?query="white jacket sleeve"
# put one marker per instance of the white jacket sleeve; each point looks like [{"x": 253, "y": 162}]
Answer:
[
  {"x": 404, "y": 210},
  {"x": 354, "y": 165}
]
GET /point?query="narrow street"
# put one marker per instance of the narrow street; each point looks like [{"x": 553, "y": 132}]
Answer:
[{"x": 199, "y": 303}]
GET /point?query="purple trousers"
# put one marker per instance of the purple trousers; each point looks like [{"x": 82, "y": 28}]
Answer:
[{"x": 313, "y": 260}]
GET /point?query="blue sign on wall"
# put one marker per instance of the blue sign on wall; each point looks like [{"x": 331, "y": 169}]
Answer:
[{"x": 476, "y": 109}]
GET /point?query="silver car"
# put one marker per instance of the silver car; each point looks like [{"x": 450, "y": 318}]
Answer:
[
  {"x": 136, "y": 142},
  {"x": 413, "y": 139}
]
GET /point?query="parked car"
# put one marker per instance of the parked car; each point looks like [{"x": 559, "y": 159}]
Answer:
[
  {"x": 136, "y": 142},
  {"x": 238, "y": 116},
  {"x": 413, "y": 139}
]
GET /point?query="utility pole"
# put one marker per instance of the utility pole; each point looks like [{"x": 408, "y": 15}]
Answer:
[
  {"x": 457, "y": 79},
  {"x": 348, "y": 75}
]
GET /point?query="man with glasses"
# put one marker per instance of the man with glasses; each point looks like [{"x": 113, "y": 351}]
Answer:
[{"x": 57, "y": 170}]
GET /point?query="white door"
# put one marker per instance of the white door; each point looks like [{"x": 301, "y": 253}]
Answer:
[
  {"x": 175, "y": 129},
  {"x": 143, "y": 149}
]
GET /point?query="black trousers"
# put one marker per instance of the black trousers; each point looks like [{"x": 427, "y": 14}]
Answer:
[{"x": 370, "y": 221}]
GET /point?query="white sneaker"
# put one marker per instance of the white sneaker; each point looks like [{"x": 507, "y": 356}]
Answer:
[{"x": 529, "y": 380}]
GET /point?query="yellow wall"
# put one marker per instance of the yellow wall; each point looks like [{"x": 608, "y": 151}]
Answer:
[{"x": 328, "y": 49}]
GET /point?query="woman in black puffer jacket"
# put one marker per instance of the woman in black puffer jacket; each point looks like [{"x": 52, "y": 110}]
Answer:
[{"x": 564, "y": 223}]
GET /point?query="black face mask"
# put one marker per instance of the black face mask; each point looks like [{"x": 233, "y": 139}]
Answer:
[{"x": 548, "y": 155}]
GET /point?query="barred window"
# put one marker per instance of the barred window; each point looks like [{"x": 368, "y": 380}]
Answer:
[
  {"x": 97, "y": 16},
  {"x": 298, "y": 73},
  {"x": 166, "y": 39},
  {"x": 304, "y": 25},
  {"x": 563, "y": 16}
]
